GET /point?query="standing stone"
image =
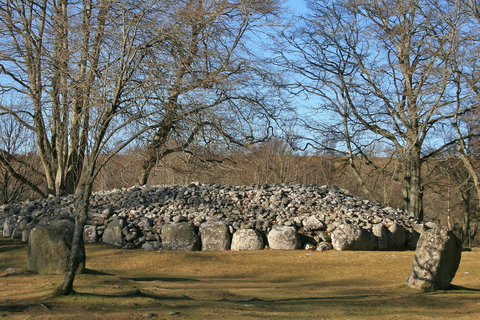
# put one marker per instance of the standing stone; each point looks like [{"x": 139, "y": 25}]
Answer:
[
  {"x": 283, "y": 238},
  {"x": 380, "y": 234},
  {"x": 352, "y": 237},
  {"x": 49, "y": 247},
  {"x": 180, "y": 236},
  {"x": 214, "y": 236},
  {"x": 113, "y": 233},
  {"x": 247, "y": 239},
  {"x": 436, "y": 260}
]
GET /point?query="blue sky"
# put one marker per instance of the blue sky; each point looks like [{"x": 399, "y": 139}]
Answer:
[{"x": 297, "y": 5}]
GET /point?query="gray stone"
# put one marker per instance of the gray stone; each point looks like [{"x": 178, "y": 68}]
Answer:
[
  {"x": 90, "y": 233},
  {"x": 312, "y": 224},
  {"x": 352, "y": 237},
  {"x": 436, "y": 260},
  {"x": 215, "y": 236},
  {"x": 247, "y": 239},
  {"x": 9, "y": 226},
  {"x": 180, "y": 236},
  {"x": 324, "y": 246},
  {"x": 283, "y": 238},
  {"x": 49, "y": 248},
  {"x": 113, "y": 233},
  {"x": 151, "y": 245}
]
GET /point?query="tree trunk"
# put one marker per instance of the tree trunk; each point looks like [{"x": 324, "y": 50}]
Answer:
[
  {"x": 81, "y": 210},
  {"x": 413, "y": 189}
]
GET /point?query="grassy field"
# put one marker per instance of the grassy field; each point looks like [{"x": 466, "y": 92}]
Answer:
[{"x": 137, "y": 284}]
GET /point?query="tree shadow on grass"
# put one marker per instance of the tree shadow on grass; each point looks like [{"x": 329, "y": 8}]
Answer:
[
  {"x": 166, "y": 279},
  {"x": 96, "y": 272},
  {"x": 133, "y": 294},
  {"x": 12, "y": 247}
]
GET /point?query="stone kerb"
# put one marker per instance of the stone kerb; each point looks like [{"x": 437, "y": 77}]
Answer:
[
  {"x": 352, "y": 237},
  {"x": 180, "y": 236},
  {"x": 214, "y": 236},
  {"x": 247, "y": 239},
  {"x": 113, "y": 233},
  {"x": 283, "y": 238}
]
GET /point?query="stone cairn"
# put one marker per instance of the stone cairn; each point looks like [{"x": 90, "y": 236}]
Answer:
[{"x": 213, "y": 217}]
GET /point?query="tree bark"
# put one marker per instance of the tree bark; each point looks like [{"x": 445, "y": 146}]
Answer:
[{"x": 413, "y": 189}]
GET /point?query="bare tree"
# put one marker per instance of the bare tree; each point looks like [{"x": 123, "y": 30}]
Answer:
[
  {"x": 80, "y": 67},
  {"x": 382, "y": 70},
  {"x": 211, "y": 81},
  {"x": 14, "y": 141}
]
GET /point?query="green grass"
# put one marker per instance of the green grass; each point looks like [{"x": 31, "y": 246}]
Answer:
[{"x": 137, "y": 284}]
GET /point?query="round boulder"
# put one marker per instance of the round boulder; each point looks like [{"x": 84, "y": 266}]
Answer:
[
  {"x": 283, "y": 238},
  {"x": 49, "y": 248},
  {"x": 247, "y": 239}
]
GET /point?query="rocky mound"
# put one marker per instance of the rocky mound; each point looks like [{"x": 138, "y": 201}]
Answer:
[{"x": 135, "y": 217}]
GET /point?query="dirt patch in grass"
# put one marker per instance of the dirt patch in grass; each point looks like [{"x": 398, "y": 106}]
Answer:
[{"x": 137, "y": 284}]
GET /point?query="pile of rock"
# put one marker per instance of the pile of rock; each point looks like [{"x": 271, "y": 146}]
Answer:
[{"x": 213, "y": 217}]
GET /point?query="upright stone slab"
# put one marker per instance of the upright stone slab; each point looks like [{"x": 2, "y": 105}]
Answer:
[
  {"x": 214, "y": 236},
  {"x": 49, "y": 247},
  {"x": 352, "y": 237},
  {"x": 247, "y": 239},
  {"x": 180, "y": 236},
  {"x": 283, "y": 238},
  {"x": 436, "y": 260}
]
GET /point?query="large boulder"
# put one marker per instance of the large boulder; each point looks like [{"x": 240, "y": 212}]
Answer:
[
  {"x": 180, "y": 236},
  {"x": 352, "y": 237},
  {"x": 113, "y": 233},
  {"x": 214, "y": 236},
  {"x": 436, "y": 260},
  {"x": 247, "y": 239},
  {"x": 283, "y": 238},
  {"x": 49, "y": 247}
]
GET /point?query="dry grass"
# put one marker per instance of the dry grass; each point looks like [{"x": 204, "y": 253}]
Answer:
[{"x": 122, "y": 284}]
